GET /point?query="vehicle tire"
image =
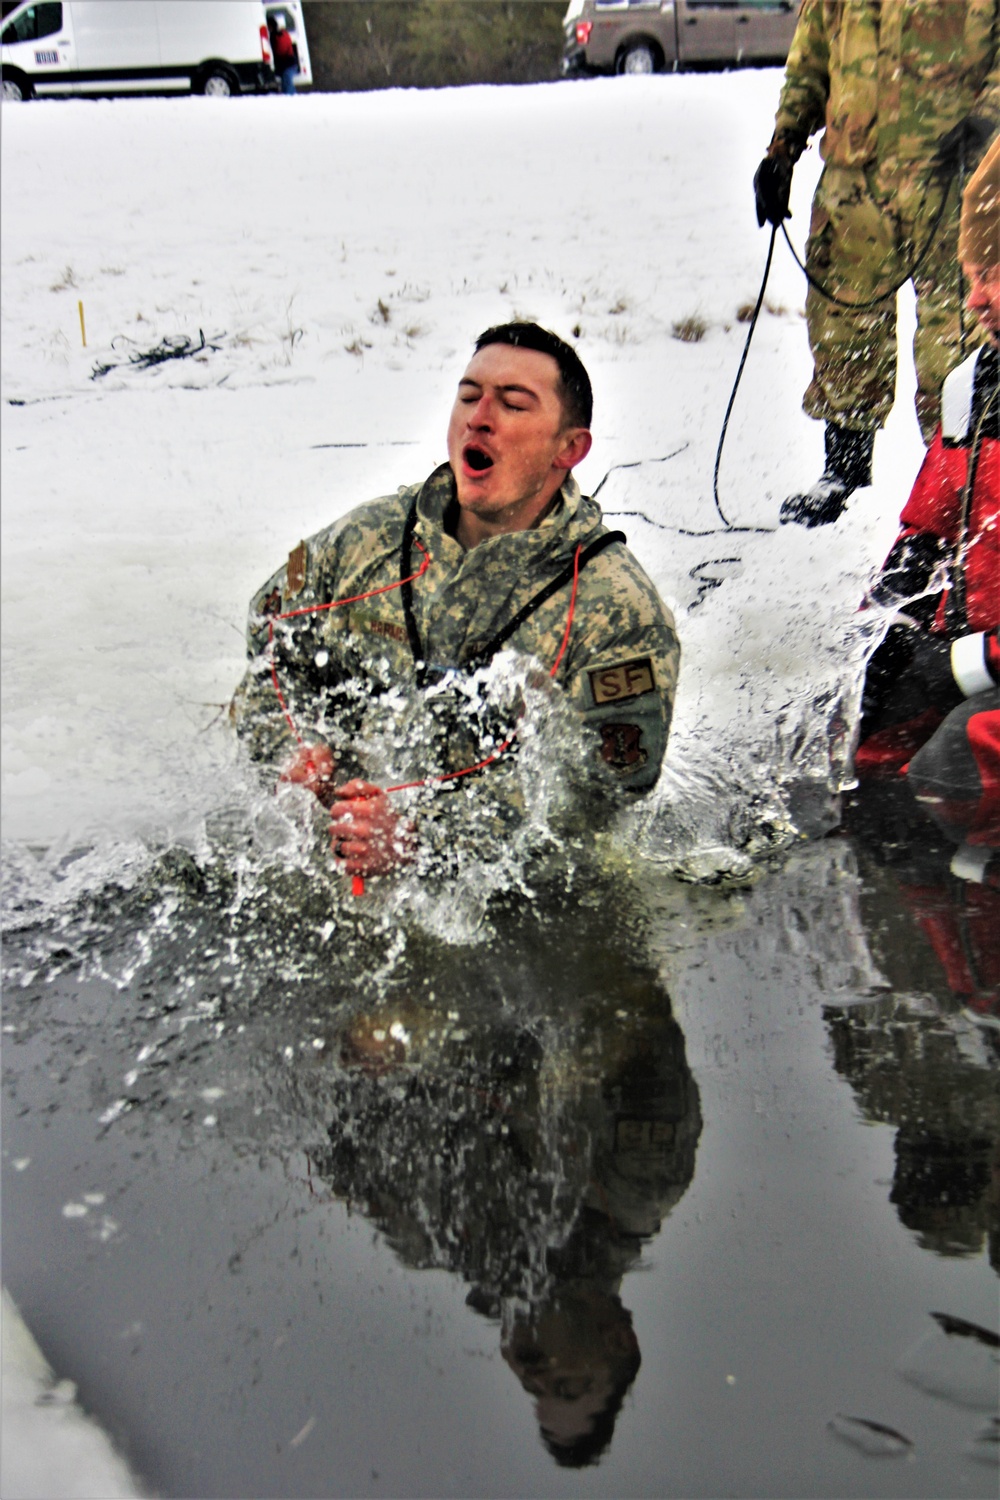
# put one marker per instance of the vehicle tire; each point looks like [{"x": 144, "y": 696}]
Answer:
[
  {"x": 16, "y": 88},
  {"x": 218, "y": 83},
  {"x": 640, "y": 57}
]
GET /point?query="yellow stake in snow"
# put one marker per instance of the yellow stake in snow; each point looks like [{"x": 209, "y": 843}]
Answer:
[{"x": 83, "y": 327}]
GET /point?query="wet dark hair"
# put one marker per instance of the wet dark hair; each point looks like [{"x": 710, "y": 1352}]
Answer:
[{"x": 575, "y": 391}]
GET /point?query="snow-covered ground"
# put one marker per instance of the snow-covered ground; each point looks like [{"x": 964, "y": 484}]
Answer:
[
  {"x": 340, "y": 252},
  {"x": 50, "y": 1446}
]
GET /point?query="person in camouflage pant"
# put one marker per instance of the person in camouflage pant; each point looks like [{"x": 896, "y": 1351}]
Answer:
[
  {"x": 908, "y": 95},
  {"x": 374, "y": 651}
]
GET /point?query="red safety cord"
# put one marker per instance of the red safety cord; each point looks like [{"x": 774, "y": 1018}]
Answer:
[
  {"x": 318, "y": 609},
  {"x": 357, "y": 881}
]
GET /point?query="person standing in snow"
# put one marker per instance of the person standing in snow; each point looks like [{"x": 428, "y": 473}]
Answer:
[
  {"x": 933, "y": 685},
  {"x": 286, "y": 55},
  {"x": 908, "y": 94},
  {"x": 369, "y": 648}
]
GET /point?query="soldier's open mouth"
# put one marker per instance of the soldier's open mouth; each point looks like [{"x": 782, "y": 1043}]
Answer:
[{"x": 477, "y": 459}]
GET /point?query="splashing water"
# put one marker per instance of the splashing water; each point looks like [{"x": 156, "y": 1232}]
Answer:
[
  {"x": 760, "y": 747},
  {"x": 127, "y": 581}
]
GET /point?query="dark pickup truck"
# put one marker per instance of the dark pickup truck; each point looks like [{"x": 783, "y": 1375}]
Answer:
[{"x": 651, "y": 36}]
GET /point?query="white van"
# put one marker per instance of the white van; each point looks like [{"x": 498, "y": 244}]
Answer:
[
  {"x": 215, "y": 47},
  {"x": 295, "y": 22}
]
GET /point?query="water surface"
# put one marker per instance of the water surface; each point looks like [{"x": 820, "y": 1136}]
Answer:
[{"x": 652, "y": 1190}]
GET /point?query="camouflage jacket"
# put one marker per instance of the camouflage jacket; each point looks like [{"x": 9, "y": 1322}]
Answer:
[
  {"x": 348, "y": 675},
  {"x": 887, "y": 78}
]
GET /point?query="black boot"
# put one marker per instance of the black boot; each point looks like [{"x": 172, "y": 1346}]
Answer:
[{"x": 848, "y": 468}]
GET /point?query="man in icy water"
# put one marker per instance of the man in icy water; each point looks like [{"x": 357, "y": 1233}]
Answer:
[{"x": 394, "y": 657}]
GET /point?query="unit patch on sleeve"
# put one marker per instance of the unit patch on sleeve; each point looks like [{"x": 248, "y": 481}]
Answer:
[
  {"x": 627, "y": 679},
  {"x": 622, "y": 747}
]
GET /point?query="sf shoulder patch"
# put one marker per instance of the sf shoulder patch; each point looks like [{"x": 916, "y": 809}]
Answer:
[
  {"x": 625, "y": 679},
  {"x": 295, "y": 573}
]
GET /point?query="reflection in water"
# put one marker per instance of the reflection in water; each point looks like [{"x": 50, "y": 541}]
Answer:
[
  {"x": 529, "y": 1133},
  {"x": 520, "y": 1116},
  {"x": 519, "y": 1113},
  {"x": 957, "y": 1361},
  {"x": 925, "y": 1057}
]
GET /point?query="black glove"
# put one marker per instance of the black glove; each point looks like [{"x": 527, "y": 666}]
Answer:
[
  {"x": 959, "y": 147},
  {"x": 772, "y": 183}
]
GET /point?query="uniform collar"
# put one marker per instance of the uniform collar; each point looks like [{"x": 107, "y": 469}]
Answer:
[{"x": 438, "y": 492}]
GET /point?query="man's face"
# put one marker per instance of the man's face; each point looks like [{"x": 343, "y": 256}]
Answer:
[
  {"x": 508, "y": 442},
  {"x": 984, "y": 297}
]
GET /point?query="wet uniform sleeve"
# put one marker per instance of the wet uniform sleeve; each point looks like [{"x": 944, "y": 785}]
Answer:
[
  {"x": 626, "y": 699},
  {"x": 623, "y": 682},
  {"x": 804, "y": 94},
  {"x": 283, "y": 649}
]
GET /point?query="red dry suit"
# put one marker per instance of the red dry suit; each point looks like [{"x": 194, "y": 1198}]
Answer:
[
  {"x": 943, "y": 570},
  {"x": 932, "y": 522}
]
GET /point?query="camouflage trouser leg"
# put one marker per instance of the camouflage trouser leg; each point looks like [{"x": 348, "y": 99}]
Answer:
[
  {"x": 945, "y": 332},
  {"x": 851, "y": 251},
  {"x": 863, "y": 239}
]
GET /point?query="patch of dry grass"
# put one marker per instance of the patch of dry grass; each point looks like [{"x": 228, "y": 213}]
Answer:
[{"x": 690, "y": 330}]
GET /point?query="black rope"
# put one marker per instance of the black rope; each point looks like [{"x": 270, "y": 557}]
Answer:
[
  {"x": 636, "y": 463},
  {"x": 908, "y": 276},
  {"x": 961, "y": 273},
  {"x": 732, "y": 397},
  {"x": 728, "y": 526},
  {"x": 483, "y": 657},
  {"x": 406, "y": 592},
  {"x": 830, "y": 297}
]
